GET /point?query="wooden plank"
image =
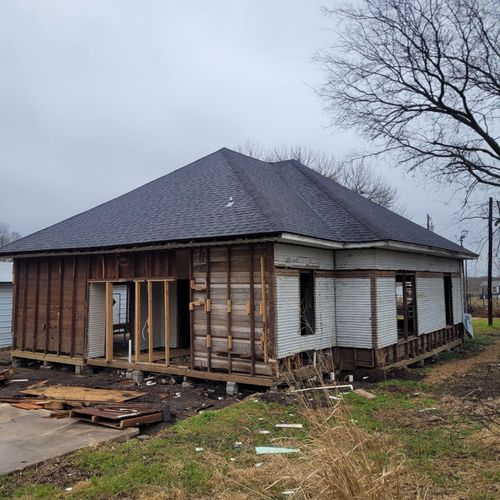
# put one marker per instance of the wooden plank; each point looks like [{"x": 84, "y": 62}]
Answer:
[
  {"x": 15, "y": 304},
  {"x": 47, "y": 307},
  {"x": 50, "y": 358},
  {"x": 137, "y": 320},
  {"x": 60, "y": 305},
  {"x": 264, "y": 308},
  {"x": 166, "y": 311},
  {"x": 109, "y": 321},
  {"x": 252, "y": 313},
  {"x": 25, "y": 304},
  {"x": 229, "y": 311},
  {"x": 71, "y": 393},
  {"x": 73, "y": 309},
  {"x": 208, "y": 312},
  {"x": 37, "y": 293},
  {"x": 191, "y": 311},
  {"x": 150, "y": 321}
]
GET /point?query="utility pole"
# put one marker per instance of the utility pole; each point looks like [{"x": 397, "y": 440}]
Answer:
[{"x": 490, "y": 261}]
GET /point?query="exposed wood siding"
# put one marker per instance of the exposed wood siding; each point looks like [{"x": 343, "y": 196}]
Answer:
[
  {"x": 387, "y": 329},
  {"x": 289, "y": 339},
  {"x": 353, "y": 312},
  {"x": 376, "y": 258},
  {"x": 302, "y": 257},
  {"x": 96, "y": 321},
  {"x": 458, "y": 303},
  {"x": 430, "y": 304}
]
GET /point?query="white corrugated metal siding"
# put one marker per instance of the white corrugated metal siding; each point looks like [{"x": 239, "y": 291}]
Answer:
[
  {"x": 376, "y": 258},
  {"x": 431, "y": 314},
  {"x": 353, "y": 312},
  {"x": 96, "y": 321},
  {"x": 458, "y": 302},
  {"x": 5, "y": 314},
  {"x": 289, "y": 339},
  {"x": 387, "y": 328},
  {"x": 304, "y": 257}
]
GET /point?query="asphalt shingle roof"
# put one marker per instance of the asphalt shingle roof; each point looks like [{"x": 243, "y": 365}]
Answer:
[{"x": 267, "y": 198}]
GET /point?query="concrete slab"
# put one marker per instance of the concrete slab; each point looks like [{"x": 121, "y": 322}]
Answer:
[{"x": 27, "y": 437}]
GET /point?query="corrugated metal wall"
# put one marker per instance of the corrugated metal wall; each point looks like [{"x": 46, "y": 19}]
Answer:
[
  {"x": 387, "y": 328},
  {"x": 353, "y": 312},
  {"x": 96, "y": 320},
  {"x": 289, "y": 339},
  {"x": 304, "y": 257},
  {"x": 5, "y": 315},
  {"x": 431, "y": 314},
  {"x": 375, "y": 258},
  {"x": 458, "y": 302}
]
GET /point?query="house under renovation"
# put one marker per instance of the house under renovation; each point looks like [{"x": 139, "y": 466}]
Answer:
[{"x": 236, "y": 269}]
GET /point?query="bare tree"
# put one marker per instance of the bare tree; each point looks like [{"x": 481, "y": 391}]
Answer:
[
  {"x": 357, "y": 175},
  {"x": 421, "y": 78},
  {"x": 6, "y": 235}
]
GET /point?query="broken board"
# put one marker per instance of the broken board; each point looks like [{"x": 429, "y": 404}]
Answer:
[{"x": 68, "y": 393}]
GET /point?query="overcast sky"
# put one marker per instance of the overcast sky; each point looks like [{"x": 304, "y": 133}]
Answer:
[{"x": 99, "y": 97}]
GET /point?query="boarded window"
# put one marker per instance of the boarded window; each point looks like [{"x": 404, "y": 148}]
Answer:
[{"x": 307, "y": 303}]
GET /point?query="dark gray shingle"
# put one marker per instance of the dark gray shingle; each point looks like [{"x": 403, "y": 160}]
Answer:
[{"x": 190, "y": 203}]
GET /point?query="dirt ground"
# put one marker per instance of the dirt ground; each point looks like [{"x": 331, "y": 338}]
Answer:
[{"x": 184, "y": 402}]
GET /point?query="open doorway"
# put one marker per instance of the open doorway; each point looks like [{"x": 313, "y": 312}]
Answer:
[
  {"x": 406, "y": 305},
  {"x": 448, "y": 299}
]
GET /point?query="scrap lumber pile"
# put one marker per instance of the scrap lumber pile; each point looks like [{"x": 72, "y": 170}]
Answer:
[
  {"x": 98, "y": 406},
  {"x": 6, "y": 375},
  {"x": 120, "y": 416}
]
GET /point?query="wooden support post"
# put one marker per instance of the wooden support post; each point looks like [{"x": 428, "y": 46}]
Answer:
[
  {"x": 252, "y": 312},
  {"x": 207, "y": 308},
  {"x": 191, "y": 312},
  {"x": 25, "y": 303},
  {"x": 47, "y": 307},
  {"x": 166, "y": 311},
  {"x": 109, "y": 322},
  {"x": 137, "y": 321},
  {"x": 229, "y": 312},
  {"x": 264, "y": 308},
  {"x": 15, "y": 305},
  {"x": 73, "y": 310},
  {"x": 35, "y": 318},
  {"x": 60, "y": 307},
  {"x": 150, "y": 321}
]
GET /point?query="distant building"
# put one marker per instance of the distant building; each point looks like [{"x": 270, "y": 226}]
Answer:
[
  {"x": 495, "y": 289},
  {"x": 5, "y": 304}
]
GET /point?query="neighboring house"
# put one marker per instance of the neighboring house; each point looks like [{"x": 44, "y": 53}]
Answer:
[
  {"x": 495, "y": 289},
  {"x": 238, "y": 269},
  {"x": 5, "y": 304}
]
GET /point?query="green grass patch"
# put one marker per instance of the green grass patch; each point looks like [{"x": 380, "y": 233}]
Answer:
[{"x": 481, "y": 327}]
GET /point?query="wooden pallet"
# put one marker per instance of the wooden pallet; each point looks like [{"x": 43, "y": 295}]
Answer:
[{"x": 119, "y": 417}]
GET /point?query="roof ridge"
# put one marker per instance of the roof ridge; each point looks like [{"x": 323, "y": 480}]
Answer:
[
  {"x": 337, "y": 202},
  {"x": 259, "y": 201}
]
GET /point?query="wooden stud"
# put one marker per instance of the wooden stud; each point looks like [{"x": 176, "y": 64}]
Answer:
[
  {"x": 263, "y": 304},
  {"x": 109, "y": 321},
  {"x": 60, "y": 306},
  {"x": 166, "y": 311},
  {"x": 229, "y": 312},
  {"x": 15, "y": 305},
  {"x": 47, "y": 307},
  {"x": 191, "y": 313},
  {"x": 150, "y": 321},
  {"x": 25, "y": 304},
  {"x": 252, "y": 313},
  {"x": 137, "y": 320},
  {"x": 73, "y": 310},
  {"x": 35, "y": 318},
  {"x": 207, "y": 309}
]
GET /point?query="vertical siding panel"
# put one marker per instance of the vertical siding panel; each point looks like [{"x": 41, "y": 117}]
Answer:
[
  {"x": 431, "y": 315},
  {"x": 387, "y": 328},
  {"x": 458, "y": 302}
]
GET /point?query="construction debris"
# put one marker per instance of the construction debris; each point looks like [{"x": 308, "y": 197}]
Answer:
[
  {"x": 120, "y": 416},
  {"x": 324, "y": 388},
  {"x": 6, "y": 375},
  {"x": 365, "y": 394},
  {"x": 289, "y": 426},
  {"x": 67, "y": 393},
  {"x": 273, "y": 450}
]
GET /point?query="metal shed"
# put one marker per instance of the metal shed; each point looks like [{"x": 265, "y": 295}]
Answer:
[{"x": 5, "y": 304}]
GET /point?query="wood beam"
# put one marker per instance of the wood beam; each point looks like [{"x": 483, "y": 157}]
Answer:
[
  {"x": 229, "y": 311},
  {"x": 60, "y": 305},
  {"x": 73, "y": 309},
  {"x": 25, "y": 303},
  {"x": 252, "y": 313},
  {"x": 166, "y": 311},
  {"x": 137, "y": 320},
  {"x": 47, "y": 307},
  {"x": 35, "y": 318},
  {"x": 264, "y": 308},
  {"x": 109, "y": 322},
  {"x": 207, "y": 309},
  {"x": 150, "y": 321}
]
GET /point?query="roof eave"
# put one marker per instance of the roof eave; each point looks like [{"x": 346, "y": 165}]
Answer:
[{"x": 387, "y": 244}]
